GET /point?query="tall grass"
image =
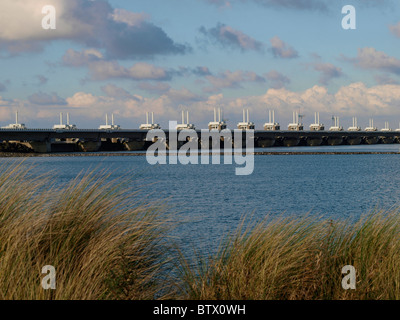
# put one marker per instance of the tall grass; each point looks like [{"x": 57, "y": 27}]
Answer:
[
  {"x": 286, "y": 258},
  {"x": 103, "y": 242},
  {"x": 106, "y": 242}
]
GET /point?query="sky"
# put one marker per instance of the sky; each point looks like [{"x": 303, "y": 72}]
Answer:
[{"x": 164, "y": 56}]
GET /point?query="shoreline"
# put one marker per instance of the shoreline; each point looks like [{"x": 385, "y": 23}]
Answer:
[{"x": 137, "y": 154}]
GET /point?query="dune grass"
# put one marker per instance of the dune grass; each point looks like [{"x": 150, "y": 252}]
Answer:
[
  {"x": 107, "y": 242},
  {"x": 286, "y": 258},
  {"x": 103, "y": 242}
]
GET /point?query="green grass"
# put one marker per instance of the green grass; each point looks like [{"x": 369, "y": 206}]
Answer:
[{"x": 107, "y": 242}]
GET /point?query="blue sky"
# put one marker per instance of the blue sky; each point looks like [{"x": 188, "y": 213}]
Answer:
[{"x": 131, "y": 57}]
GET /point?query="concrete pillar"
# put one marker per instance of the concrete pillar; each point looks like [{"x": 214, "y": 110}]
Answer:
[
  {"x": 291, "y": 141},
  {"x": 89, "y": 146},
  {"x": 38, "y": 146},
  {"x": 371, "y": 140},
  {"x": 335, "y": 141},
  {"x": 354, "y": 140},
  {"x": 134, "y": 145},
  {"x": 387, "y": 140},
  {"x": 314, "y": 141},
  {"x": 265, "y": 143}
]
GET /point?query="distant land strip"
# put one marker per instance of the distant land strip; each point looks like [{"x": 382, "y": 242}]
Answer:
[{"x": 133, "y": 154}]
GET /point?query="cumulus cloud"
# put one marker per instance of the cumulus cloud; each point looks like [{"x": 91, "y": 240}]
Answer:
[
  {"x": 132, "y": 19},
  {"x": 384, "y": 79},
  {"x": 122, "y": 34},
  {"x": 395, "y": 29},
  {"x": 201, "y": 71},
  {"x": 352, "y": 100},
  {"x": 82, "y": 99},
  {"x": 165, "y": 107},
  {"x": 103, "y": 70},
  {"x": 93, "y": 107},
  {"x": 229, "y": 79},
  {"x": 8, "y": 108},
  {"x": 306, "y": 5},
  {"x": 319, "y": 5},
  {"x": 182, "y": 95},
  {"x": 74, "y": 58},
  {"x": 281, "y": 49},
  {"x": 41, "y": 98},
  {"x": 355, "y": 99},
  {"x": 113, "y": 91},
  {"x": 276, "y": 79},
  {"x": 159, "y": 87},
  {"x": 370, "y": 58},
  {"x": 227, "y": 36},
  {"x": 328, "y": 72}
]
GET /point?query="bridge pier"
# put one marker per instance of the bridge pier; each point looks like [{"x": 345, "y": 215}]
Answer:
[
  {"x": 291, "y": 141},
  {"x": 353, "y": 141},
  {"x": 335, "y": 141},
  {"x": 239, "y": 145},
  {"x": 89, "y": 145},
  {"x": 63, "y": 146},
  {"x": 371, "y": 140},
  {"x": 265, "y": 143},
  {"x": 38, "y": 146},
  {"x": 48, "y": 140},
  {"x": 314, "y": 142},
  {"x": 215, "y": 140},
  {"x": 134, "y": 145},
  {"x": 14, "y": 146},
  {"x": 111, "y": 144},
  {"x": 387, "y": 140}
]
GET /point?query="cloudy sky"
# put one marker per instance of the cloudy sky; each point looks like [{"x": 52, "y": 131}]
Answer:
[{"x": 130, "y": 57}]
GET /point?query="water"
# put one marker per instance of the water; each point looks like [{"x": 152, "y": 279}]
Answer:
[
  {"x": 344, "y": 148},
  {"x": 214, "y": 200}
]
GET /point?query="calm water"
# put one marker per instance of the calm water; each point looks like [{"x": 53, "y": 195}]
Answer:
[{"x": 214, "y": 199}]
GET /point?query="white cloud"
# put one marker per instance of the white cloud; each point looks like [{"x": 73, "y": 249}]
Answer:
[
  {"x": 82, "y": 99},
  {"x": 121, "y": 33},
  {"x": 355, "y": 99},
  {"x": 132, "y": 19},
  {"x": 370, "y": 58}
]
